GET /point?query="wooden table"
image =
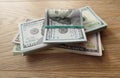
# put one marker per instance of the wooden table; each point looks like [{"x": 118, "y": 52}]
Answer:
[{"x": 58, "y": 64}]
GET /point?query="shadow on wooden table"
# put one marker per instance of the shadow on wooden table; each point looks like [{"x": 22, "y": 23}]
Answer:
[{"x": 68, "y": 61}]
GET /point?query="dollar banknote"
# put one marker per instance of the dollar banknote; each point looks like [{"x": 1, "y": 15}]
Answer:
[
  {"x": 31, "y": 37},
  {"x": 91, "y": 47},
  {"x": 16, "y": 39},
  {"x": 46, "y": 50},
  {"x": 63, "y": 26},
  {"x": 17, "y": 50},
  {"x": 91, "y": 21}
]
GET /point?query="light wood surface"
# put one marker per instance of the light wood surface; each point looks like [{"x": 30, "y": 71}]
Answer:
[{"x": 58, "y": 64}]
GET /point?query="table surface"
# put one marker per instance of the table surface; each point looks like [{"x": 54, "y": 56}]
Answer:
[{"x": 58, "y": 64}]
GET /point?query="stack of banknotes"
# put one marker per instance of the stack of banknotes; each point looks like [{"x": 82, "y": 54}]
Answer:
[{"x": 69, "y": 30}]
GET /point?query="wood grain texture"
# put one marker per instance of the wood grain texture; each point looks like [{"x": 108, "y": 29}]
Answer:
[{"x": 58, "y": 64}]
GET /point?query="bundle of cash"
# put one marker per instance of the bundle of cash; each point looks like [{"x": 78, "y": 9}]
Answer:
[
  {"x": 91, "y": 47},
  {"x": 91, "y": 21},
  {"x": 29, "y": 37},
  {"x": 66, "y": 28},
  {"x": 63, "y": 25}
]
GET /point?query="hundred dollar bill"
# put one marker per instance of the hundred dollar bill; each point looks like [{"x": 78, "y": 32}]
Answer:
[
  {"x": 91, "y": 47},
  {"x": 91, "y": 21},
  {"x": 63, "y": 25},
  {"x": 31, "y": 37}
]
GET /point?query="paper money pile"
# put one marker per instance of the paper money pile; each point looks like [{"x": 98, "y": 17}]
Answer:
[{"x": 69, "y": 30}]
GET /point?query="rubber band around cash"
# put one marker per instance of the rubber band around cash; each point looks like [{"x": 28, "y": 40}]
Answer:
[{"x": 53, "y": 27}]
